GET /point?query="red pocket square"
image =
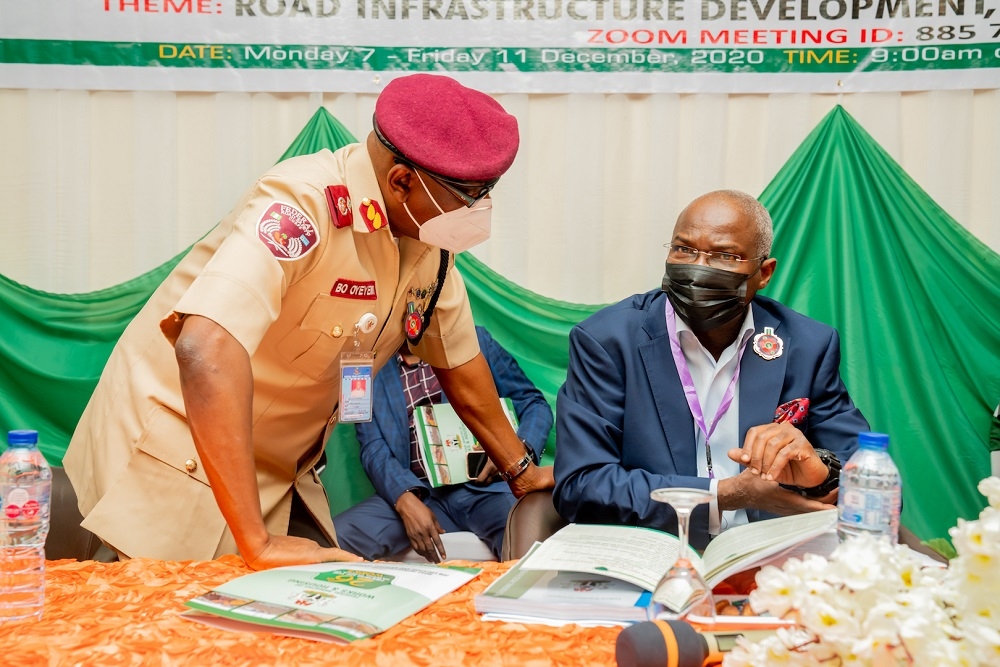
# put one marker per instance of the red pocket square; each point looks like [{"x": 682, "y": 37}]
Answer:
[{"x": 794, "y": 411}]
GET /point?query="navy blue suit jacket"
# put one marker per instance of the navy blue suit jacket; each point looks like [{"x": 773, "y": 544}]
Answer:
[
  {"x": 624, "y": 428},
  {"x": 385, "y": 440}
]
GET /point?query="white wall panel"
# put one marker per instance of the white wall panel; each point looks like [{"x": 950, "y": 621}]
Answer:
[{"x": 98, "y": 187}]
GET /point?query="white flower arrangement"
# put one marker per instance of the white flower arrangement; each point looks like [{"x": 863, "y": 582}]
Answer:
[{"x": 873, "y": 604}]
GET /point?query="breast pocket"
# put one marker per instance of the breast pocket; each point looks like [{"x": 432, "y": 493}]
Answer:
[{"x": 327, "y": 329}]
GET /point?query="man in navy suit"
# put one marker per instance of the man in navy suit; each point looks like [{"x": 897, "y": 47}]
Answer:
[
  {"x": 703, "y": 384},
  {"x": 406, "y": 511}
]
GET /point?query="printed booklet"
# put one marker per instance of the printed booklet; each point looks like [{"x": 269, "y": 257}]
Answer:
[
  {"x": 332, "y": 602},
  {"x": 447, "y": 449},
  {"x": 606, "y": 573}
]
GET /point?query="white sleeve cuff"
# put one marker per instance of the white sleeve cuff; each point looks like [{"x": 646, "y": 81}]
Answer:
[{"x": 714, "y": 524}]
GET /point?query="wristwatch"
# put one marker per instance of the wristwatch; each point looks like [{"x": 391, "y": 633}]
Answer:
[
  {"x": 520, "y": 466},
  {"x": 831, "y": 482}
]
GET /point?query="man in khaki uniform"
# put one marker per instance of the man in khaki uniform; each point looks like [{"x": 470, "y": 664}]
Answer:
[{"x": 203, "y": 433}]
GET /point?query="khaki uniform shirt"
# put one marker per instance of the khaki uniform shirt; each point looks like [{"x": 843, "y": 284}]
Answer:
[{"x": 289, "y": 285}]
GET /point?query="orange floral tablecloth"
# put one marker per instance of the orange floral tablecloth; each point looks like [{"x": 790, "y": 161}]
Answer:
[{"x": 129, "y": 614}]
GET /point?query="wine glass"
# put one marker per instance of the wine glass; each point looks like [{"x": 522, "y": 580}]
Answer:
[{"x": 682, "y": 590}]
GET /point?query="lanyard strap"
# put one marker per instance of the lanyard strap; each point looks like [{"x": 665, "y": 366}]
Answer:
[
  {"x": 690, "y": 393},
  {"x": 425, "y": 317}
]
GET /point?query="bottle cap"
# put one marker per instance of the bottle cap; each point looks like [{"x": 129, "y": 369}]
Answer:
[
  {"x": 870, "y": 440},
  {"x": 22, "y": 438}
]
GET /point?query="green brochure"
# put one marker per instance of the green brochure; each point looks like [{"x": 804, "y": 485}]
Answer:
[{"x": 333, "y": 602}]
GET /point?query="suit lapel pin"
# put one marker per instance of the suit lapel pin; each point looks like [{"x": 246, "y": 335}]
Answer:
[{"x": 767, "y": 345}]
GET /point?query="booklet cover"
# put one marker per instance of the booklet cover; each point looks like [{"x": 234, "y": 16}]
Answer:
[
  {"x": 571, "y": 575},
  {"x": 448, "y": 451},
  {"x": 333, "y": 602},
  {"x": 554, "y": 595}
]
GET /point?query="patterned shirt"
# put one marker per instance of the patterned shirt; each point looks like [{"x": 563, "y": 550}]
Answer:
[{"x": 420, "y": 387}]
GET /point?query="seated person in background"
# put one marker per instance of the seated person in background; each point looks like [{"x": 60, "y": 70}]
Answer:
[
  {"x": 405, "y": 510},
  {"x": 664, "y": 388}
]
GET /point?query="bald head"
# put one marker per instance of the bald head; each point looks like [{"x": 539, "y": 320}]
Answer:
[{"x": 741, "y": 214}]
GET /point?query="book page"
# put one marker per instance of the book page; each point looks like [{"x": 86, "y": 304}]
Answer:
[
  {"x": 637, "y": 555},
  {"x": 821, "y": 545},
  {"x": 744, "y": 546}
]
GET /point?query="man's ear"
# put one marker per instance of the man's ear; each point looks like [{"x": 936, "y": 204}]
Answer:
[
  {"x": 766, "y": 271},
  {"x": 399, "y": 179}
]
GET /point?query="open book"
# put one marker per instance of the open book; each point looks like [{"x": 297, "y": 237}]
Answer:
[
  {"x": 448, "y": 451},
  {"x": 333, "y": 602},
  {"x": 623, "y": 564}
]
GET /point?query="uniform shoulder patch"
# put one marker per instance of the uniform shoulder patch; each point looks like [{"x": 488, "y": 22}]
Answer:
[
  {"x": 287, "y": 232},
  {"x": 339, "y": 201},
  {"x": 372, "y": 214}
]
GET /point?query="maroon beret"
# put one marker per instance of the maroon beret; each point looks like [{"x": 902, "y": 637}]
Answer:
[{"x": 440, "y": 125}]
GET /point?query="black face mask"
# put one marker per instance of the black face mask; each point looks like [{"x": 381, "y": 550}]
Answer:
[{"x": 705, "y": 297}]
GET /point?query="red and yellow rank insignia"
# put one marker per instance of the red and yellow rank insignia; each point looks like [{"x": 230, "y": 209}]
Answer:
[
  {"x": 338, "y": 199},
  {"x": 286, "y": 231},
  {"x": 372, "y": 214}
]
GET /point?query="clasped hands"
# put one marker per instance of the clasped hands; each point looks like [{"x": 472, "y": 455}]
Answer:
[{"x": 775, "y": 454}]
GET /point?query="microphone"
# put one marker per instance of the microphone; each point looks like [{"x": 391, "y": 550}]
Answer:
[{"x": 676, "y": 644}]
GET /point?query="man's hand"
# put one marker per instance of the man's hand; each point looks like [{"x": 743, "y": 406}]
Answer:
[
  {"x": 489, "y": 473},
  {"x": 749, "y": 491},
  {"x": 780, "y": 453},
  {"x": 283, "y": 550},
  {"x": 422, "y": 527},
  {"x": 533, "y": 478}
]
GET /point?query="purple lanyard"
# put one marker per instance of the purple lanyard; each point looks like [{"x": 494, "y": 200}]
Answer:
[{"x": 690, "y": 393}]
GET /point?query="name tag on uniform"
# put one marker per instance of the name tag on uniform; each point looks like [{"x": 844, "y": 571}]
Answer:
[
  {"x": 356, "y": 375},
  {"x": 354, "y": 289}
]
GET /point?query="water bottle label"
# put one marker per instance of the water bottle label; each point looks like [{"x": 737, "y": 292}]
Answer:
[
  {"x": 16, "y": 501},
  {"x": 864, "y": 510}
]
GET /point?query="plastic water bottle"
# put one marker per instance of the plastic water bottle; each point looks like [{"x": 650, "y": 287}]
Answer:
[
  {"x": 25, "y": 490},
  {"x": 870, "y": 490}
]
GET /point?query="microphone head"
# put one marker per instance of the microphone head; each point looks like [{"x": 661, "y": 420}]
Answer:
[{"x": 660, "y": 644}]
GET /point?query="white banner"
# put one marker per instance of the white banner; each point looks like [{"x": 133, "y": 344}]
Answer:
[{"x": 629, "y": 46}]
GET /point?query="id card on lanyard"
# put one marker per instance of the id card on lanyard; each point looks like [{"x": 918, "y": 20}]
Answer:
[
  {"x": 356, "y": 375},
  {"x": 357, "y": 372}
]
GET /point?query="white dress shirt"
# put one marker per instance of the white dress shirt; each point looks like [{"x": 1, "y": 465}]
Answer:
[{"x": 710, "y": 379}]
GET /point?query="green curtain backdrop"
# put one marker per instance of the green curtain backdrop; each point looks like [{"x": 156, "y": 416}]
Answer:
[
  {"x": 916, "y": 299},
  {"x": 859, "y": 245}
]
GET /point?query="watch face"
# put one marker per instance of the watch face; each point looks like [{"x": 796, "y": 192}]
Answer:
[{"x": 829, "y": 458}]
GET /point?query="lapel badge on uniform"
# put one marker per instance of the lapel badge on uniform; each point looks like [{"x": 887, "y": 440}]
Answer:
[
  {"x": 422, "y": 292},
  {"x": 339, "y": 201},
  {"x": 767, "y": 345},
  {"x": 372, "y": 214},
  {"x": 413, "y": 323}
]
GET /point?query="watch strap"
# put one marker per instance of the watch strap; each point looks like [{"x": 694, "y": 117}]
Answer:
[
  {"x": 832, "y": 480},
  {"x": 520, "y": 466}
]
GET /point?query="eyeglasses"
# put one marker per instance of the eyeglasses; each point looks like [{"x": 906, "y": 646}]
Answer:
[
  {"x": 453, "y": 187},
  {"x": 682, "y": 254},
  {"x": 469, "y": 200}
]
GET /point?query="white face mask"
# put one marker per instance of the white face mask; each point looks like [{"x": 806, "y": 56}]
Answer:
[{"x": 458, "y": 230}]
